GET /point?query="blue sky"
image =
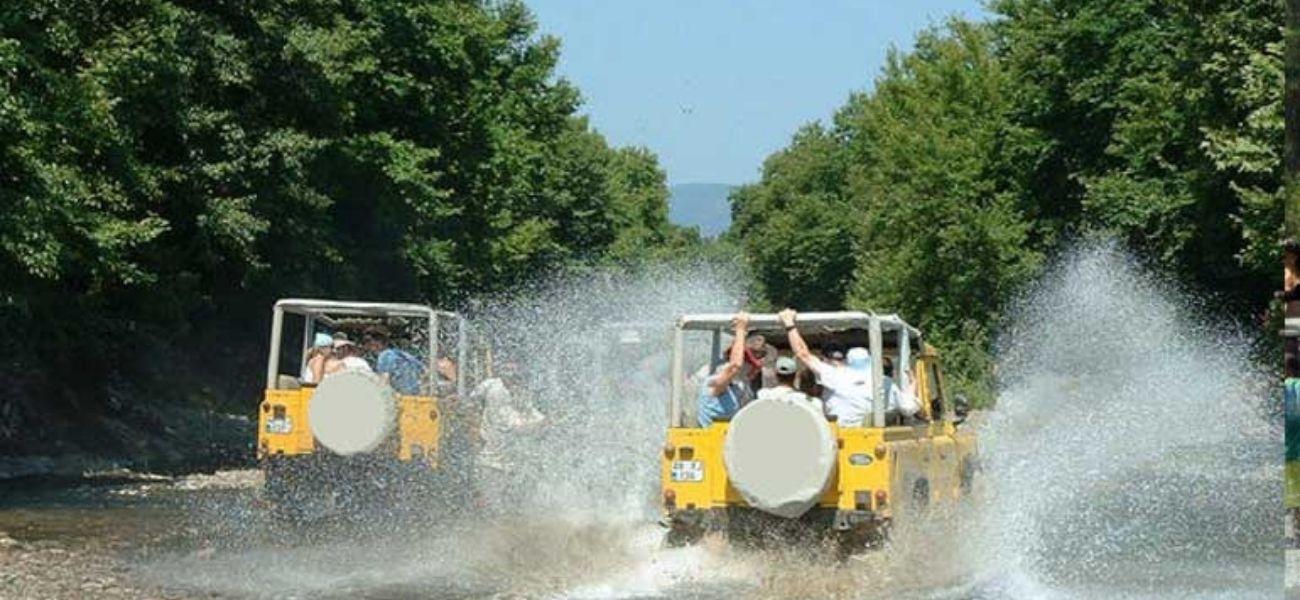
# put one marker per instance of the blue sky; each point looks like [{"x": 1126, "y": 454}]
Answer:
[{"x": 713, "y": 87}]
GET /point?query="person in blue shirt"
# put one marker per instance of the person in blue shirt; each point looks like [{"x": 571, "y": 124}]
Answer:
[
  {"x": 399, "y": 368},
  {"x": 720, "y": 394}
]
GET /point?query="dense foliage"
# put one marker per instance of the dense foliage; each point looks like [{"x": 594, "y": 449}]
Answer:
[
  {"x": 983, "y": 150},
  {"x": 168, "y": 167}
]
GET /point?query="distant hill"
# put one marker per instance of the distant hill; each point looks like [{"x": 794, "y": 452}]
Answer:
[{"x": 702, "y": 205}]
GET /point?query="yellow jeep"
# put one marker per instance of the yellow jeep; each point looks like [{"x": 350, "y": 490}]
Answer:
[
  {"x": 871, "y": 473},
  {"x": 343, "y": 439}
]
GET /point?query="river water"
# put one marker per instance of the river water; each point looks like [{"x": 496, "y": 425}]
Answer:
[{"x": 1131, "y": 455}]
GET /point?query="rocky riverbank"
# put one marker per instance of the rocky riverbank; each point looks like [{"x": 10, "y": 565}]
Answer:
[
  {"x": 88, "y": 540},
  {"x": 59, "y": 569}
]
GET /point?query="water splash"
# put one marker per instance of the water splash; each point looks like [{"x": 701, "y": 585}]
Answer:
[
  {"x": 1126, "y": 458},
  {"x": 575, "y": 516},
  {"x": 1127, "y": 455},
  {"x": 593, "y": 354}
]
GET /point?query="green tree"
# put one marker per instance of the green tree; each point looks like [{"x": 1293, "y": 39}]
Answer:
[
  {"x": 1160, "y": 122},
  {"x": 944, "y": 240},
  {"x": 167, "y": 168},
  {"x": 796, "y": 226},
  {"x": 987, "y": 146}
]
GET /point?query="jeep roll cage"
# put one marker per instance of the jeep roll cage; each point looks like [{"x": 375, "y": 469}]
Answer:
[
  {"x": 817, "y": 327},
  {"x": 328, "y": 312}
]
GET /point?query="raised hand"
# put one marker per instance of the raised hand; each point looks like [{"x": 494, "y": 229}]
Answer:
[{"x": 787, "y": 317}]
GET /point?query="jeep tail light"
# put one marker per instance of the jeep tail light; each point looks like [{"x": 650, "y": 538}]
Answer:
[
  {"x": 670, "y": 499},
  {"x": 881, "y": 498}
]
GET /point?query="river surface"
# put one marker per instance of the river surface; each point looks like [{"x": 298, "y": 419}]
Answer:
[{"x": 194, "y": 537}]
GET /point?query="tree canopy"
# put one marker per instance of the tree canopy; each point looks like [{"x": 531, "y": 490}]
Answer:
[
  {"x": 170, "y": 167},
  {"x": 978, "y": 153}
]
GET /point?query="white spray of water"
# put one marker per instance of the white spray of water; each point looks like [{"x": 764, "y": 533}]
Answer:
[
  {"x": 1125, "y": 459},
  {"x": 593, "y": 355},
  {"x": 576, "y": 513},
  {"x": 1127, "y": 455}
]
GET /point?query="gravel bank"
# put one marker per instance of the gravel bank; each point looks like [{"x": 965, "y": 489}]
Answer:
[{"x": 85, "y": 540}]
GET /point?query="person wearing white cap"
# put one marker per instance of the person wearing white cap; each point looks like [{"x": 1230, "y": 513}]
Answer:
[
  {"x": 314, "y": 366},
  {"x": 784, "y": 369},
  {"x": 849, "y": 386}
]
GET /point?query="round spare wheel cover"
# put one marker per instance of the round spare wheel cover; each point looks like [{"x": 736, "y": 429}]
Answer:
[
  {"x": 780, "y": 454},
  {"x": 352, "y": 412}
]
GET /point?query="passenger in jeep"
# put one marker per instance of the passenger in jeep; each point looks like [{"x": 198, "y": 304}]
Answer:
[
  {"x": 721, "y": 394},
  {"x": 785, "y": 369},
  {"x": 398, "y": 367},
  {"x": 314, "y": 367},
  {"x": 346, "y": 357},
  {"x": 849, "y": 386},
  {"x": 761, "y": 357}
]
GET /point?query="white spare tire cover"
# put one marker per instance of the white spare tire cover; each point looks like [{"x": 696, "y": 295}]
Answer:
[
  {"x": 780, "y": 454},
  {"x": 351, "y": 413}
]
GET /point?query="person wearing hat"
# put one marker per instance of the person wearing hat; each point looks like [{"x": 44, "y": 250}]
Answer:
[
  {"x": 721, "y": 394},
  {"x": 785, "y": 370},
  {"x": 346, "y": 357},
  {"x": 313, "y": 368},
  {"x": 848, "y": 386},
  {"x": 761, "y": 357}
]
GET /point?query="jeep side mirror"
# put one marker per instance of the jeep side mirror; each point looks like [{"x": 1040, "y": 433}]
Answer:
[{"x": 961, "y": 406}]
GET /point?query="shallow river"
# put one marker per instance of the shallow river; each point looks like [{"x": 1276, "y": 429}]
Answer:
[{"x": 205, "y": 537}]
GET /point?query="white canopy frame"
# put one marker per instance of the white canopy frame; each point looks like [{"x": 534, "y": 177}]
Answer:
[
  {"x": 875, "y": 325},
  {"x": 325, "y": 311}
]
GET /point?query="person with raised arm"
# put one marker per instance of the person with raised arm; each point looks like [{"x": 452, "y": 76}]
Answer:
[
  {"x": 848, "y": 386},
  {"x": 720, "y": 394}
]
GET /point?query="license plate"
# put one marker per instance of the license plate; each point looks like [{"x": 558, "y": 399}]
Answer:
[
  {"x": 279, "y": 425},
  {"x": 688, "y": 470}
]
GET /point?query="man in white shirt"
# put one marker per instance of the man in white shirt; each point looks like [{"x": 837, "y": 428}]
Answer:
[
  {"x": 505, "y": 415},
  {"x": 897, "y": 399},
  {"x": 507, "y": 418},
  {"x": 848, "y": 386},
  {"x": 784, "y": 370}
]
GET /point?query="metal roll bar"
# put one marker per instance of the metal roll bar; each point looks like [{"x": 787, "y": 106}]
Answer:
[{"x": 875, "y": 325}]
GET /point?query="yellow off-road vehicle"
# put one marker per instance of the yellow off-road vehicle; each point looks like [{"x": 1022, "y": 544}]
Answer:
[
  {"x": 845, "y": 484},
  {"x": 352, "y": 436}
]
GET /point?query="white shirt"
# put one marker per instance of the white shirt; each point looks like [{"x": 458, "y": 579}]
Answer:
[
  {"x": 898, "y": 400},
  {"x": 352, "y": 364},
  {"x": 779, "y": 392},
  {"x": 789, "y": 394},
  {"x": 849, "y": 392},
  {"x": 503, "y": 415}
]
